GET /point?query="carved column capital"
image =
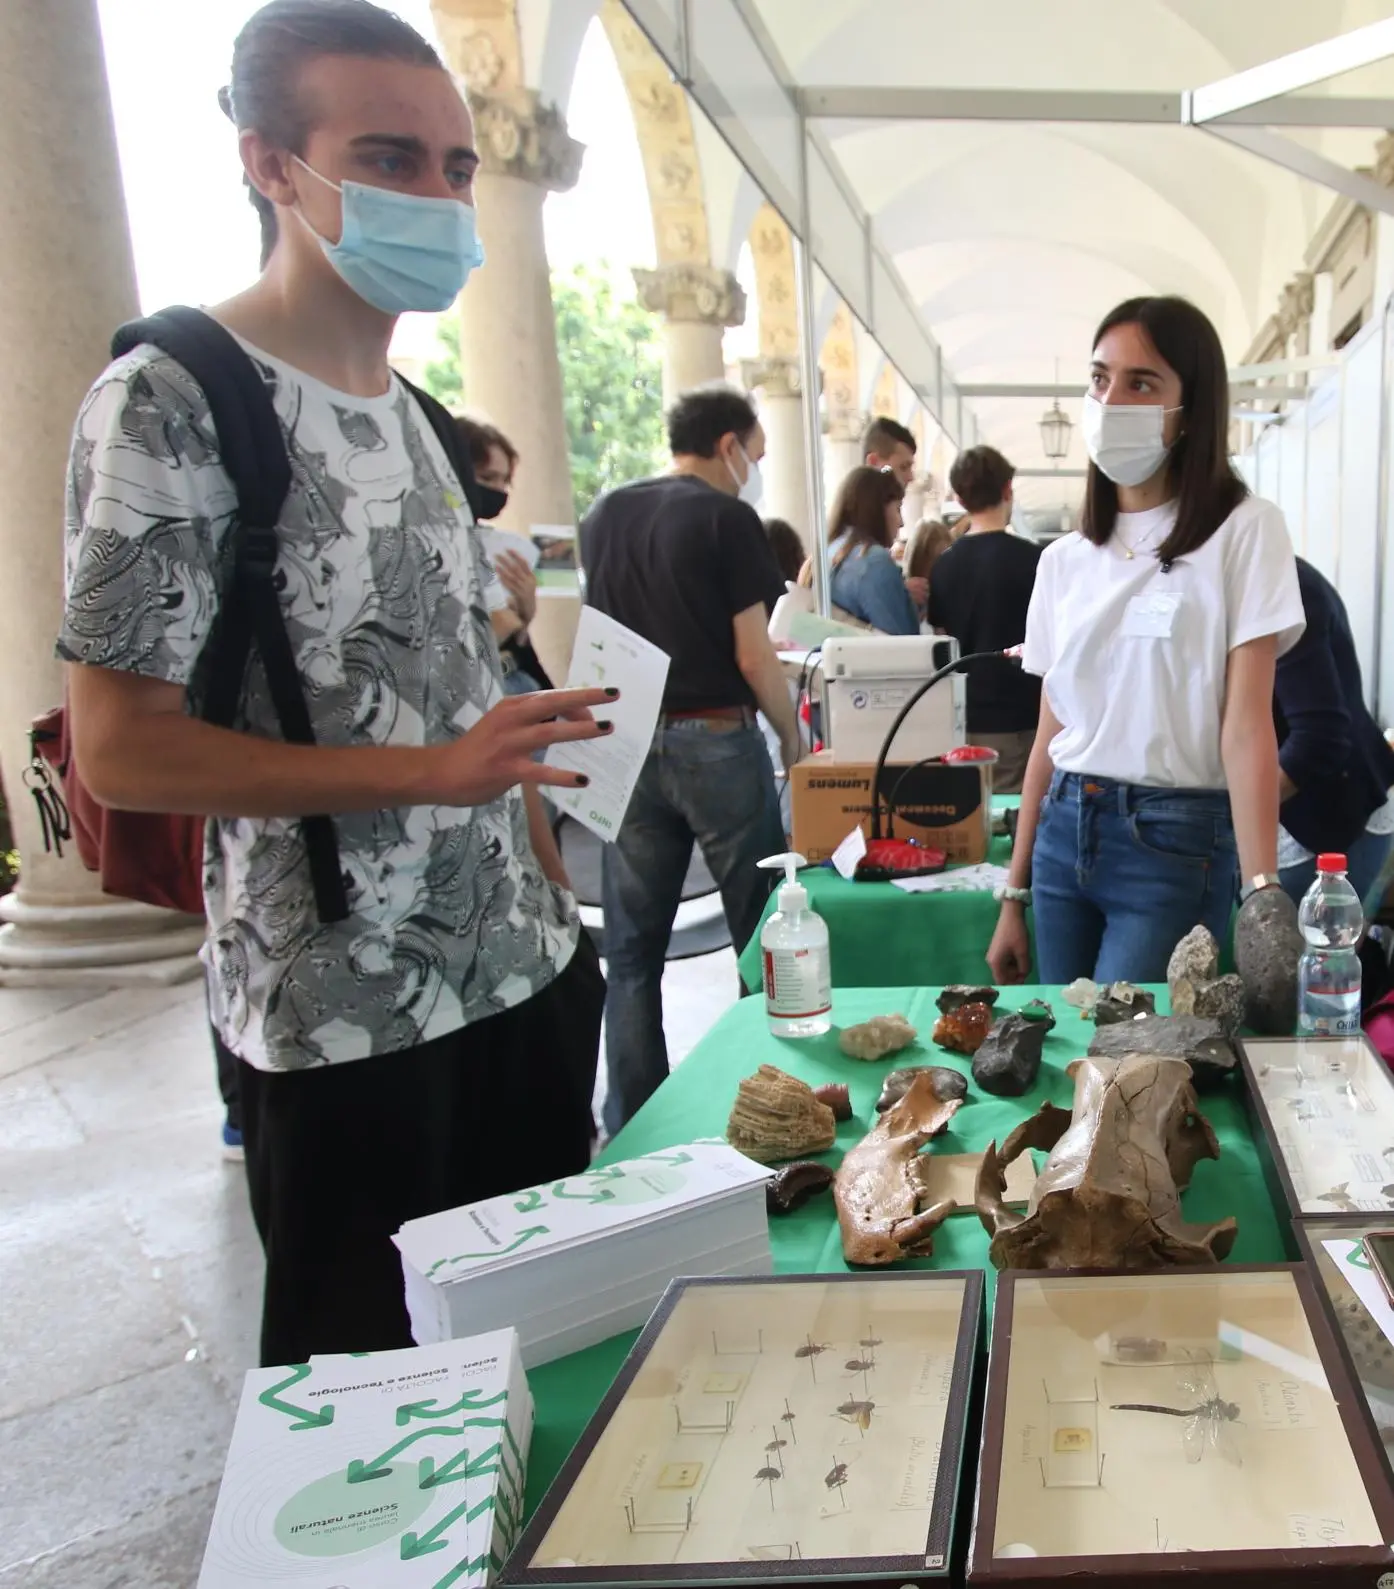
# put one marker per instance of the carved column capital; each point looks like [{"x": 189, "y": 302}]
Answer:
[
  {"x": 1296, "y": 302},
  {"x": 847, "y": 425},
  {"x": 518, "y": 136},
  {"x": 775, "y": 375},
  {"x": 699, "y": 293}
]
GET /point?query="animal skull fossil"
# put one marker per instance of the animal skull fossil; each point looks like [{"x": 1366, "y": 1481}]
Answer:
[{"x": 1109, "y": 1194}]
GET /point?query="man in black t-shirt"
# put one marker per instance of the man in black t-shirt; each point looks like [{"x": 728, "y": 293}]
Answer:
[
  {"x": 978, "y": 593},
  {"x": 683, "y": 560}
]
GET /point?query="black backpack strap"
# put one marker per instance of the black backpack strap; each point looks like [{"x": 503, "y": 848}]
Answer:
[
  {"x": 452, "y": 443},
  {"x": 253, "y": 449}
]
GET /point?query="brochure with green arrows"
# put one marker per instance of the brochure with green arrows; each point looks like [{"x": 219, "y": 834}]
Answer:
[
  {"x": 382, "y": 1470},
  {"x": 573, "y": 1261}
]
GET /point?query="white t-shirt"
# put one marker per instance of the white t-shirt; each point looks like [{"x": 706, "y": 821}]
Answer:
[
  {"x": 1134, "y": 659},
  {"x": 383, "y": 581}
]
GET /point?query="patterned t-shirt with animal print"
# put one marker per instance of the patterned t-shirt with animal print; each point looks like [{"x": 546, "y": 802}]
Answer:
[{"x": 384, "y": 586}]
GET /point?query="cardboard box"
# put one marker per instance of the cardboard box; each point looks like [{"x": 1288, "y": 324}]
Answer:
[{"x": 949, "y": 807}]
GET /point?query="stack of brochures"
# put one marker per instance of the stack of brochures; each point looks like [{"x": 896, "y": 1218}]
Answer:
[
  {"x": 575, "y": 1261},
  {"x": 387, "y": 1470}
]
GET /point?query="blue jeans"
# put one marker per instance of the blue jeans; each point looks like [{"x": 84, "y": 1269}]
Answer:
[
  {"x": 1364, "y": 861},
  {"x": 1120, "y": 873},
  {"x": 707, "y": 779}
]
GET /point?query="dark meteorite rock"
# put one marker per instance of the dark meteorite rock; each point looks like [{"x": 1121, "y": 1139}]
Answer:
[
  {"x": 1194, "y": 1038},
  {"x": 791, "y": 1187},
  {"x": 837, "y": 1098},
  {"x": 1267, "y": 947},
  {"x": 1010, "y": 1057},
  {"x": 1123, "y": 1002},
  {"x": 960, "y": 993},
  {"x": 947, "y": 1084}
]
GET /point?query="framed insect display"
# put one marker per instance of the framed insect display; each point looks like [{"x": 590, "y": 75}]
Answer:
[
  {"x": 800, "y": 1428},
  {"x": 1324, "y": 1108},
  {"x": 1196, "y": 1422}
]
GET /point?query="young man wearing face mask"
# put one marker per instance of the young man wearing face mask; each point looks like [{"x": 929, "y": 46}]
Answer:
[
  {"x": 1152, "y": 789},
  {"x": 683, "y": 560},
  {"x": 389, "y": 1061}
]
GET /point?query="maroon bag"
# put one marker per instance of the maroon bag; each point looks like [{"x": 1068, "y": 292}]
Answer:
[{"x": 147, "y": 856}]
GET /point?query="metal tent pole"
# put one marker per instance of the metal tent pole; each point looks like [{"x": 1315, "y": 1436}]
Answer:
[{"x": 808, "y": 373}]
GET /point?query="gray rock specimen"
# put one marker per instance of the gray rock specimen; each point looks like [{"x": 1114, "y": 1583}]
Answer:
[
  {"x": 960, "y": 993},
  {"x": 1010, "y": 1057},
  {"x": 1267, "y": 947},
  {"x": 1123, "y": 1002},
  {"x": 1197, "y": 988},
  {"x": 1196, "y": 1039},
  {"x": 947, "y": 1083}
]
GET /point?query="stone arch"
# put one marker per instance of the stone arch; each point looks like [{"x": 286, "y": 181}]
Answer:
[{"x": 776, "y": 301}]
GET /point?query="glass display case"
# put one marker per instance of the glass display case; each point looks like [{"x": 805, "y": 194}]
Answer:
[
  {"x": 803, "y": 1428},
  {"x": 1324, "y": 1108},
  {"x": 1189, "y": 1421}
]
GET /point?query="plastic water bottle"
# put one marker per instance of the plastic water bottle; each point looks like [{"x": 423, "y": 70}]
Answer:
[{"x": 1328, "y": 975}]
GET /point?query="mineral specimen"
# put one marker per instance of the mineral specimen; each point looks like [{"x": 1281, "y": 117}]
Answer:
[
  {"x": 1197, "y": 988},
  {"x": 961, "y": 993},
  {"x": 874, "y": 1039},
  {"x": 1083, "y": 993},
  {"x": 837, "y": 1098},
  {"x": 879, "y": 1186},
  {"x": 1010, "y": 1057},
  {"x": 1109, "y": 1193},
  {"x": 1038, "y": 1010},
  {"x": 1267, "y": 947},
  {"x": 962, "y": 1030},
  {"x": 946, "y": 1083},
  {"x": 1194, "y": 1038},
  {"x": 1121, "y": 1001},
  {"x": 792, "y": 1186},
  {"x": 776, "y": 1116}
]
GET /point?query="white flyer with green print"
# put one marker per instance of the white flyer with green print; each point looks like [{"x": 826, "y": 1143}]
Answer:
[{"x": 385, "y": 1470}]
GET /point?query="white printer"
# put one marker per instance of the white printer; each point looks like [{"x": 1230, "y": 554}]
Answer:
[{"x": 868, "y": 679}]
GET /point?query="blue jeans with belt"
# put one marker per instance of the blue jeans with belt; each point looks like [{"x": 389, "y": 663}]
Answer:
[
  {"x": 1120, "y": 872},
  {"x": 708, "y": 779}
]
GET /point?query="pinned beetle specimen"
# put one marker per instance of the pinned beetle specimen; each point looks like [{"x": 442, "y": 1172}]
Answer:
[
  {"x": 880, "y": 1184},
  {"x": 1109, "y": 1194}
]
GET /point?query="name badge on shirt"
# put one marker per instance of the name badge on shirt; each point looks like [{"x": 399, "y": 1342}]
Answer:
[{"x": 1151, "y": 617}]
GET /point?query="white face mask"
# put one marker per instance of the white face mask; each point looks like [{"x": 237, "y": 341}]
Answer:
[
  {"x": 752, "y": 488},
  {"x": 1125, "y": 439}
]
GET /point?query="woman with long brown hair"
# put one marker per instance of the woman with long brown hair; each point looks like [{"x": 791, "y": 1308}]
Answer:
[
  {"x": 865, "y": 579},
  {"x": 1152, "y": 787}
]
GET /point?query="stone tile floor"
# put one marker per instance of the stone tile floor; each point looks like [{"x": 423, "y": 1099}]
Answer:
[{"x": 130, "y": 1277}]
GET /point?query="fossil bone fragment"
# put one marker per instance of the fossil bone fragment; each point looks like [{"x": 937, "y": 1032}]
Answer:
[
  {"x": 880, "y": 1185},
  {"x": 1109, "y": 1193}
]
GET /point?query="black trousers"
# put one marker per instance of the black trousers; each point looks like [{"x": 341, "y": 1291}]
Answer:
[{"x": 339, "y": 1156}]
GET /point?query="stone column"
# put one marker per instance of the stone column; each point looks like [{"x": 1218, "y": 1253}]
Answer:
[
  {"x": 697, "y": 303},
  {"x": 508, "y": 346},
  {"x": 65, "y": 260},
  {"x": 842, "y": 451},
  {"x": 776, "y": 379}
]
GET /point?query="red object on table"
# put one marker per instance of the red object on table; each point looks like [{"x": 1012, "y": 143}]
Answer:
[
  {"x": 888, "y": 858},
  {"x": 969, "y": 753}
]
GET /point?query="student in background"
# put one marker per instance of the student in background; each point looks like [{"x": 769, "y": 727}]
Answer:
[
  {"x": 787, "y": 546},
  {"x": 980, "y": 595},
  {"x": 887, "y": 444},
  {"x": 865, "y": 581},
  {"x": 1336, "y": 766},
  {"x": 926, "y": 544}
]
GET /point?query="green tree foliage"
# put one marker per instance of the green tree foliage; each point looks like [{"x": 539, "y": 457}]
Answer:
[{"x": 612, "y": 381}]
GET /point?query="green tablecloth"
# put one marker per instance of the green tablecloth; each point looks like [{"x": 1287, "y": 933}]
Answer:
[
  {"x": 880, "y": 936},
  {"x": 695, "y": 1102}
]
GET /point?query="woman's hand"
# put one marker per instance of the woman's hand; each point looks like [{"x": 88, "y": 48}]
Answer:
[
  {"x": 520, "y": 582},
  {"x": 1009, "y": 953}
]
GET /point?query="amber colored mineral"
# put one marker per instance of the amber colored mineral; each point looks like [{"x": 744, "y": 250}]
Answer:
[
  {"x": 874, "y": 1039},
  {"x": 837, "y": 1098},
  {"x": 962, "y": 1031},
  {"x": 776, "y": 1116},
  {"x": 880, "y": 1183}
]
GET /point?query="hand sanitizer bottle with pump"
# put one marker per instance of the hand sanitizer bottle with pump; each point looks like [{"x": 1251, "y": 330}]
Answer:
[{"x": 794, "y": 952}]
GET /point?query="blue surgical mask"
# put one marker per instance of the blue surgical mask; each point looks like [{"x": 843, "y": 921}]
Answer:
[{"x": 398, "y": 251}]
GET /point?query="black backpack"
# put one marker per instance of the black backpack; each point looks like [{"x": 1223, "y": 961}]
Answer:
[{"x": 253, "y": 451}]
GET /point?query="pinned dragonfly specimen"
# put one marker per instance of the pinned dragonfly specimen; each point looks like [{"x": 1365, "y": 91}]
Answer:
[
  {"x": 775, "y": 1447},
  {"x": 770, "y": 1476},
  {"x": 1208, "y": 1418},
  {"x": 857, "y": 1412},
  {"x": 812, "y": 1350},
  {"x": 788, "y": 1417},
  {"x": 835, "y": 1479}
]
